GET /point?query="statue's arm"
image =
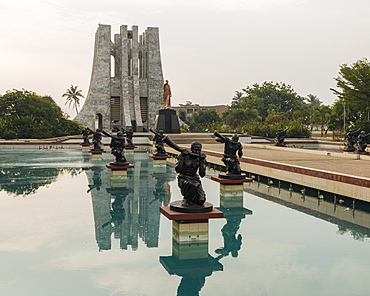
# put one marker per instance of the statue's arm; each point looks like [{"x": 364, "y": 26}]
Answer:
[
  {"x": 173, "y": 145},
  {"x": 105, "y": 133},
  {"x": 220, "y": 138},
  {"x": 202, "y": 165},
  {"x": 240, "y": 150}
]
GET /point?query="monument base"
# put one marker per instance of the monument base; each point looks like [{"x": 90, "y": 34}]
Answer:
[
  {"x": 178, "y": 207},
  {"x": 96, "y": 154},
  {"x": 173, "y": 215},
  {"x": 231, "y": 179},
  {"x": 167, "y": 121}
]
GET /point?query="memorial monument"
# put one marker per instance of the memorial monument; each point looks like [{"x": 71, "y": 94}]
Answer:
[
  {"x": 126, "y": 83},
  {"x": 167, "y": 120}
]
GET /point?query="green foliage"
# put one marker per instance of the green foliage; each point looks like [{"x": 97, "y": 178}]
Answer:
[
  {"x": 189, "y": 103},
  {"x": 268, "y": 97},
  {"x": 239, "y": 117},
  {"x": 24, "y": 114},
  {"x": 321, "y": 117},
  {"x": 182, "y": 114},
  {"x": 202, "y": 120},
  {"x": 353, "y": 82},
  {"x": 73, "y": 95}
]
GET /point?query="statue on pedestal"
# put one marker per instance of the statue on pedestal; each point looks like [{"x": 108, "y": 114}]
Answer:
[
  {"x": 85, "y": 134},
  {"x": 96, "y": 139},
  {"x": 362, "y": 143},
  {"x": 159, "y": 142},
  {"x": 350, "y": 140},
  {"x": 166, "y": 95},
  {"x": 230, "y": 158},
  {"x": 118, "y": 148},
  {"x": 280, "y": 137},
  {"x": 189, "y": 163}
]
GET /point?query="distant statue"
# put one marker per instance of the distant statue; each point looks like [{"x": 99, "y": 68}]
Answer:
[
  {"x": 96, "y": 139},
  {"x": 129, "y": 136},
  {"x": 189, "y": 163},
  {"x": 118, "y": 148},
  {"x": 166, "y": 95},
  {"x": 85, "y": 134},
  {"x": 362, "y": 142},
  {"x": 115, "y": 129},
  {"x": 159, "y": 142},
  {"x": 280, "y": 137},
  {"x": 232, "y": 148},
  {"x": 351, "y": 140}
]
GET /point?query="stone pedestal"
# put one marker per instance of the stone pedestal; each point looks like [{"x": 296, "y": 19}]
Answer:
[
  {"x": 130, "y": 150},
  {"x": 190, "y": 259},
  {"x": 85, "y": 146},
  {"x": 118, "y": 175},
  {"x": 96, "y": 154},
  {"x": 167, "y": 121},
  {"x": 159, "y": 163}
]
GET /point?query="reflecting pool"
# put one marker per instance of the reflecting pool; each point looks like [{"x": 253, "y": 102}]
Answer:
[{"x": 68, "y": 229}]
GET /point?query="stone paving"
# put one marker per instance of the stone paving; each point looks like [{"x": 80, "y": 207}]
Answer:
[{"x": 335, "y": 162}]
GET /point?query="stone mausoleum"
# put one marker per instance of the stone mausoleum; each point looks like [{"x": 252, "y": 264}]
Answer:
[{"x": 126, "y": 84}]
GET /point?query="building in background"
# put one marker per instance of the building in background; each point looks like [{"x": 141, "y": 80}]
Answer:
[
  {"x": 191, "y": 109},
  {"x": 126, "y": 83}
]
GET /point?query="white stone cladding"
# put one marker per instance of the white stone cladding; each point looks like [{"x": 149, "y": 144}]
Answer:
[{"x": 137, "y": 85}]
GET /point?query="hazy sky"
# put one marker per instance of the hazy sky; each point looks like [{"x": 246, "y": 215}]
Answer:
[{"x": 209, "y": 48}]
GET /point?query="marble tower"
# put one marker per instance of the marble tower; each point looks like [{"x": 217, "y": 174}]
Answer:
[{"x": 126, "y": 83}]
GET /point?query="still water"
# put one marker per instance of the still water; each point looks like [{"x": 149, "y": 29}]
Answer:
[{"x": 66, "y": 229}]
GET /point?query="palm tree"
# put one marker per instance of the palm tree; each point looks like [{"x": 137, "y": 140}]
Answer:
[{"x": 73, "y": 95}]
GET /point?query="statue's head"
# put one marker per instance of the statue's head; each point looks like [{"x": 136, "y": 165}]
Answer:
[
  {"x": 166, "y": 81},
  {"x": 196, "y": 147},
  {"x": 235, "y": 138},
  {"x": 362, "y": 132},
  {"x": 119, "y": 134},
  {"x": 160, "y": 132}
]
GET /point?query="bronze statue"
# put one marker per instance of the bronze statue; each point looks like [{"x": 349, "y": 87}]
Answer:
[
  {"x": 280, "y": 137},
  {"x": 118, "y": 148},
  {"x": 189, "y": 163},
  {"x": 350, "y": 140},
  {"x": 96, "y": 139},
  {"x": 166, "y": 95},
  {"x": 129, "y": 136},
  {"x": 232, "y": 147},
  {"x": 362, "y": 143},
  {"x": 159, "y": 142},
  {"x": 85, "y": 134}
]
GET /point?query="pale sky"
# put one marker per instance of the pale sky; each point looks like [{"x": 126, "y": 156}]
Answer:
[{"x": 209, "y": 48}]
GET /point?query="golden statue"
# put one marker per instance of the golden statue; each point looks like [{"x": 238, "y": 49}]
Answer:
[{"x": 166, "y": 95}]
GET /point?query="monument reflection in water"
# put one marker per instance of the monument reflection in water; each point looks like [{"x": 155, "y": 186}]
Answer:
[
  {"x": 65, "y": 221},
  {"x": 128, "y": 207}
]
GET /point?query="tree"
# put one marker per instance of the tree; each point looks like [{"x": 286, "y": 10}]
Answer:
[
  {"x": 354, "y": 84},
  {"x": 201, "y": 120},
  {"x": 24, "y": 114},
  {"x": 189, "y": 103},
  {"x": 239, "y": 117},
  {"x": 321, "y": 117},
  {"x": 269, "y": 97},
  {"x": 313, "y": 100},
  {"x": 73, "y": 95}
]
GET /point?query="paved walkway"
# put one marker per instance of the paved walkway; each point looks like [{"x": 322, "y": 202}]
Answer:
[{"x": 335, "y": 162}]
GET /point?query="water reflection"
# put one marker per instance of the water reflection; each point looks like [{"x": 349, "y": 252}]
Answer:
[
  {"x": 23, "y": 172},
  {"x": 352, "y": 217},
  {"x": 231, "y": 204},
  {"x": 128, "y": 208}
]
